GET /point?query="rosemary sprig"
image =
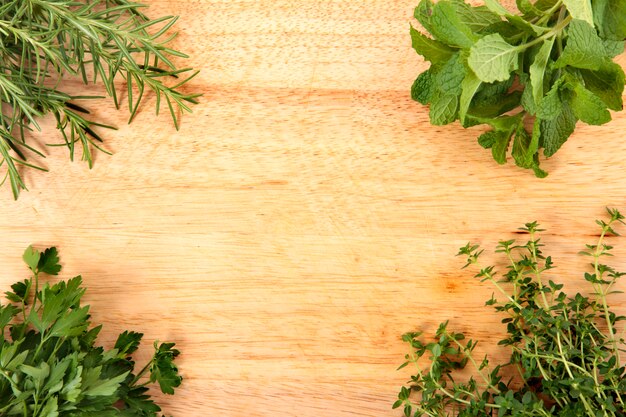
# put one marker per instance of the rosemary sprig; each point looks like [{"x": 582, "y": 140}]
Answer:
[{"x": 44, "y": 41}]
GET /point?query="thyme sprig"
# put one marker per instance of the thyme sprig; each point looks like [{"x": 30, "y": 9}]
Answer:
[
  {"x": 566, "y": 351},
  {"x": 44, "y": 41}
]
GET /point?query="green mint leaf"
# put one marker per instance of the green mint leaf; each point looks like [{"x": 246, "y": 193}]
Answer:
[
  {"x": 528, "y": 101},
  {"x": 502, "y": 123},
  {"x": 495, "y": 108},
  {"x": 525, "y": 26},
  {"x": 610, "y": 18},
  {"x": 526, "y": 146},
  {"x": 509, "y": 32},
  {"x": 613, "y": 48},
  {"x": 487, "y": 139},
  {"x": 448, "y": 27},
  {"x": 554, "y": 133},
  {"x": 493, "y": 59},
  {"x": 493, "y": 100},
  {"x": 496, "y": 7},
  {"x": 527, "y": 7},
  {"x": 443, "y": 109},
  {"x": 539, "y": 173},
  {"x": 432, "y": 50},
  {"x": 607, "y": 83},
  {"x": 489, "y": 92},
  {"x": 588, "y": 107},
  {"x": 469, "y": 87},
  {"x": 31, "y": 258},
  {"x": 450, "y": 78},
  {"x": 550, "y": 105},
  {"x": 580, "y": 9},
  {"x": 538, "y": 69},
  {"x": 423, "y": 87},
  {"x": 478, "y": 18},
  {"x": 445, "y": 100},
  {"x": 500, "y": 146},
  {"x": 423, "y": 12},
  {"x": 584, "y": 47},
  {"x": 49, "y": 262},
  {"x": 499, "y": 138}
]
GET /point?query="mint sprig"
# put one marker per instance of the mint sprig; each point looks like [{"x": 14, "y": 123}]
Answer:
[{"x": 529, "y": 76}]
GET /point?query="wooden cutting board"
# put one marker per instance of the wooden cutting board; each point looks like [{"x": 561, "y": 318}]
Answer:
[{"x": 304, "y": 216}]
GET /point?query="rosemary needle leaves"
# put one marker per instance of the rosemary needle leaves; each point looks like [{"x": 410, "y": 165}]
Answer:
[{"x": 45, "y": 41}]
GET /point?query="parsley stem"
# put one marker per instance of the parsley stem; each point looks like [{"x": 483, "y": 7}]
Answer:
[
  {"x": 8, "y": 378},
  {"x": 36, "y": 279},
  {"x": 142, "y": 372}
]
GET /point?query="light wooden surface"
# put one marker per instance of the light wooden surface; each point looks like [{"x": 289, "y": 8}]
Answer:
[{"x": 306, "y": 214}]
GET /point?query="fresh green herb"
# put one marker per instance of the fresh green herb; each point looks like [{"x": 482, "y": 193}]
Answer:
[
  {"x": 566, "y": 351},
  {"x": 548, "y": 66},
  {"x": 42, "y": 42},
  {"x": 50, "y": 365}
]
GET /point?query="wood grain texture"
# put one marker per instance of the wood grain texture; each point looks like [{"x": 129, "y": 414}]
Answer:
[{"x": 305, "y": 215}]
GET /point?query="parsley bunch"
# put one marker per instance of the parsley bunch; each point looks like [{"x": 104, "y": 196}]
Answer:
[
  {"x": 50, "y": 365},
  {"x": 43, "y": 42},
  {"x": 566, "y": 351},
  {"x": 529, "y": 76}
]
